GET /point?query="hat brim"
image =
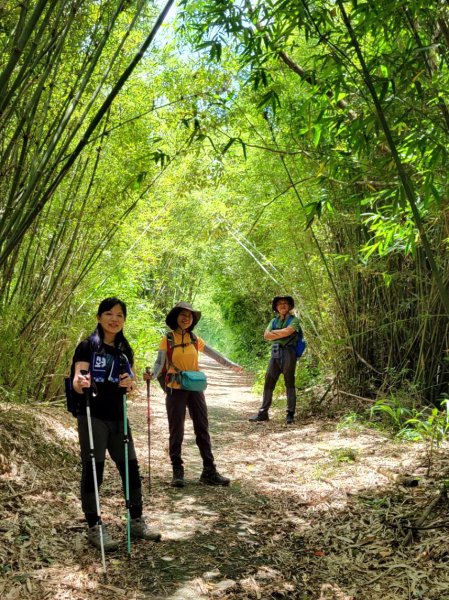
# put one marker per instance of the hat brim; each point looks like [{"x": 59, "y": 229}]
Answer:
[
  {"x": 276, "y": 299},
  {"x": 172, "y": 318}
]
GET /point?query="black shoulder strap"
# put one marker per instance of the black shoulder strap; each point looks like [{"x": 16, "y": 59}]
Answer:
[
  {"x": 194, "y": 340},
  {"x": 170, "y": 345},
  {"x": 91, "y": 347}
]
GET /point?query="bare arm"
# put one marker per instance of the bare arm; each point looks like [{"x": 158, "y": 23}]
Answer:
[
  {"x": 222, "y": 360},
  {"x": 278, "y": 333}
]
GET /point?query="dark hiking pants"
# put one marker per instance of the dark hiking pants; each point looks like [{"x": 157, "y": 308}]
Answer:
[
  {"x": 108, "y": 435},
  {"x": 176, "y": 402},
  {"x": 285, "y": 364}
]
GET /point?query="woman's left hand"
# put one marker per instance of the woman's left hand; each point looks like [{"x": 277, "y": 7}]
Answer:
[{"x": 126, "y": 382}]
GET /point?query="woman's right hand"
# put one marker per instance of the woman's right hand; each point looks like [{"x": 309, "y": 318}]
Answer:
[
  {"x": 147, "y": 375},
  {"x": 81, "y": 382}
]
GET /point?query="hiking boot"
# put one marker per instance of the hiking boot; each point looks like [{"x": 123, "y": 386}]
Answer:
[
  {"x": 213, "y": 477},
  {"x": 140, "y": 530},
  {"x": 260, "y": 416},
  {"x": 290, "y": 418},
  {"x": 93, "y": 537},
  {"x": 178, "y": 477}
]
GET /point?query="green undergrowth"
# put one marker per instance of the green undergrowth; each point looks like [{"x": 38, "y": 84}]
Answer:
[{"x": 406, "y": 421}]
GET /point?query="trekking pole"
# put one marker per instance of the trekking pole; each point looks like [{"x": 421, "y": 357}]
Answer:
[
  {"x": 123, "y": 369},
  {"x": 149, "y": 434},
  {"x": 94, "y": 469}
]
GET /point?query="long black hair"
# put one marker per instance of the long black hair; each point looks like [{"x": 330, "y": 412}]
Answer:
[{"x": 97, "y": 336}]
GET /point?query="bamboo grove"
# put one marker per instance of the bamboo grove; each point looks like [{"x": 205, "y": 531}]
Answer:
[{"x": 224, "y": 152}]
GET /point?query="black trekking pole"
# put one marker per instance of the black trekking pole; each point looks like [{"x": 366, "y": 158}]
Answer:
[
  {"x": 148, "y": 424},
  {"x": 123, "y": 369},
  {"x": 94, "y": 469}
]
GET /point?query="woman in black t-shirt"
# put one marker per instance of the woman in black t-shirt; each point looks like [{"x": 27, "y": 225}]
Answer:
[{"x": 100, "y": 355}]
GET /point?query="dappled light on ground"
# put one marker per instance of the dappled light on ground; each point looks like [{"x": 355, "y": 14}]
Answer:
[{"x": 314, "y": 511}]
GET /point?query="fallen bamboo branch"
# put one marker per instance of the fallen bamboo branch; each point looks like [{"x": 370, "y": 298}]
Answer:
[{"x": 441, "y": 497}]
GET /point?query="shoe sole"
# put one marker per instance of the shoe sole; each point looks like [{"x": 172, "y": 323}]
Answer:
[
  {"x": 215, "y": 484},
  {"x": 106, "y": 548},
  {"x": 148, "y": 539},
  {"x": 111, "y": 548},
  {"x": 178, "y": 484}
]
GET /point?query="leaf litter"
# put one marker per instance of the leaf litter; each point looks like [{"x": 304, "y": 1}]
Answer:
[{"x": 299, "y": 520}]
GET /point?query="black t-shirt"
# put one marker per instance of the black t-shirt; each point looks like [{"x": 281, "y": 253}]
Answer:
[{"x": 107, "y": 399}]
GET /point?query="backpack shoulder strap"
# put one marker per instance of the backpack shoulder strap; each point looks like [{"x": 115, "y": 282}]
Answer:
[
  {"x": 170, "y": 346},
  {"x": 91, "y": 350},
  {"x": 286, "y": 324},
  {"x": 194, "y": 340}
]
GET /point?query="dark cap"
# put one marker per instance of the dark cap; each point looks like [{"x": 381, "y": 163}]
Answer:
[
  {"x": 172, "y": 318},
  {"x": 288, "y": 299}
]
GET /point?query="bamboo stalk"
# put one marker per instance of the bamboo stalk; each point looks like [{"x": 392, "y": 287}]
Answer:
[
  {"x": 406, "y": 183},
  {"x": 37, "y": 206}
]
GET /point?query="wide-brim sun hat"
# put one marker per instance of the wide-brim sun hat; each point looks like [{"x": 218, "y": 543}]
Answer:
[
  {"x": 288, "y": 299},
  {"x": 172, "y": 318}
]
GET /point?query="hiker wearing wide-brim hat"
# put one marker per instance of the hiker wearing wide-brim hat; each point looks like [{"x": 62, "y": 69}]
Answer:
[
  {"x": 172, "y": 318},
  {"x": 282, "y": 332},
  {"x": 177, "y": 365},
  {"x": 276, "y": 299}
]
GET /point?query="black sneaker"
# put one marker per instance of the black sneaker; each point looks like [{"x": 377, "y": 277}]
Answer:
[
  {"x": 178, "y": 477},
  {"x": 260, "y": 416},
  {"x": 210, "y": 477},
  {"x": 290, "y": 418}
]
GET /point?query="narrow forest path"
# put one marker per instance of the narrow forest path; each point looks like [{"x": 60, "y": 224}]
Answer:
[{"x": 314, "y": 511}]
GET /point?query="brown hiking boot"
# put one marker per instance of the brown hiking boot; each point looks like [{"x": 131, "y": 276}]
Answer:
[
  {"x": 94, "y": 538},
  {"x": 140, "y": 530},
  {"x": 178, "y": 477},
  {"x": 213, "y": 477}
]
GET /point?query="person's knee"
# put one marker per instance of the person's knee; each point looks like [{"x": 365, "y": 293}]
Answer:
[
  {"x": 88, "y": 476},
  {"x": 133, "y": 473},
  {"x": 202, "y": 432},
  {"x": 289, "y": 378},
  {"x": 270, "y": 381},
  {"x": 290, "y": 382}
]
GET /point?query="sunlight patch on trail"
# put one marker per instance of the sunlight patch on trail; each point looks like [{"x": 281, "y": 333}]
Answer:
[{"x": 187, "y": 518}]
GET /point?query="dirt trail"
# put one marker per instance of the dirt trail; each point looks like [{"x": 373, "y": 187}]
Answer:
[{"x": 313, "y": 512}]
